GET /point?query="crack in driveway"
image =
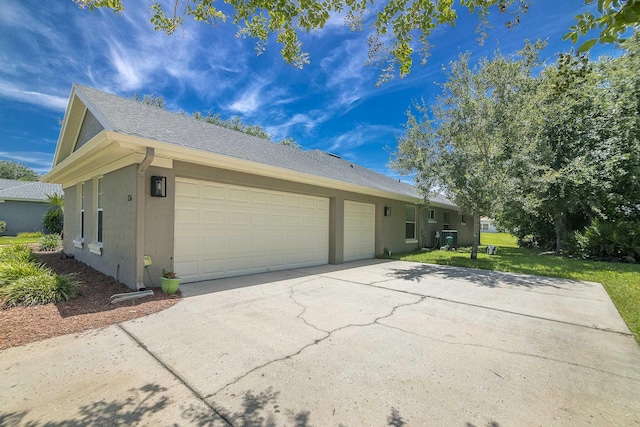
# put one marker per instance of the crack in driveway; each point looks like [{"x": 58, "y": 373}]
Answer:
[{"x": 317, "y": 341}]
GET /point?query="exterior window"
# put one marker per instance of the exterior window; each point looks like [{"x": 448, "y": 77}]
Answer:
[
  {"x": 82, "y": 210},
  {"x": 100, "y": 214},
  {"x": 410, "y": 223},
  {"x": 432, "y": 215},
  {"x": 445, "y": 218},
  {"x": 485, "y": 226},
  {"x": 463, "y": 219}
]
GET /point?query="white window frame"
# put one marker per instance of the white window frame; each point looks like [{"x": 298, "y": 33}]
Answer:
[
  {"x": 96, "y": 246},
  {"x": 432, "y": 216},
  {"x": 78, "y": 242},
  {"x": 413, "y": 239}
]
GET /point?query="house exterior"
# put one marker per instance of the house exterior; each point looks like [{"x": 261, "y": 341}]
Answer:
[
  {"x": 487, "y": 225},
  {"x": 141, "y": 181},
  {"x": 24, "y": 203}
]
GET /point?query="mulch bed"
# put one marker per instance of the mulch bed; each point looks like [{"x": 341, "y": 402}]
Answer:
[{"x": 91, "y": 309}]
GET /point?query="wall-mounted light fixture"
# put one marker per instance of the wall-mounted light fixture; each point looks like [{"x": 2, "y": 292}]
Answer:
[
  {"x": 387, "y": 211},
  {"x": 158, "y": 186}
]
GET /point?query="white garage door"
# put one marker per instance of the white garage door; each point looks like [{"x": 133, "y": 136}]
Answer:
[
  {"x": 225, "y": 230},
  {"x": 359, "y": 230}
]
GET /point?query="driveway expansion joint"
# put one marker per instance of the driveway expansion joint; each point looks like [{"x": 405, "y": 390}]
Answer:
[
  {"x": 173, "y": 373},
  {"x": 316, "y": 341},
  {"x": 518, "y": 353}
]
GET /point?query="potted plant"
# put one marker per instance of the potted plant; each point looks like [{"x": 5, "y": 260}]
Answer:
[{"x": 170, "y": 282}]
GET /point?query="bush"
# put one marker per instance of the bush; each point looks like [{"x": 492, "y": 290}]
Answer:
[
  {"x": 42, "y": 288},
  {"x": 3, "y": 226},
  {"x": 12, "y": 270},
  {"x": 16, "y": 253},
  {"x": 619, "y": 240},
  {"x": 53, "y": 220},
  {"x": 49, "y": 242},
  {"x": 24, "y": 282}
]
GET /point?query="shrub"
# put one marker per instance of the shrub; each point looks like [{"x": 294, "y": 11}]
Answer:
[
  {"x": 30, "y": 234},
  {"x": 620, "y": 240},
  {"x": 14, "y": 269},
  {"x": 3, "y": 226},
  {"x": 42, "y": 288},
  {"x": 16, "y": 252},
  {"x": 53, "y": 220},
  {"x": 49, "y": 242}
]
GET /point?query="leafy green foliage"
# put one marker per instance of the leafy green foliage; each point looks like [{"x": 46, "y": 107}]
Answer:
[
  {"x": 459, "y": 145},
  {"x": 399, "y": 30},
  {"x": 40, "y": 288},
  {"x": 3, "y": 226},
  {"x": 619, "y": 240},
  {"x": 615, "y": 18},
  {"x": 290, "y": 142},
  {"x": 13, "y": 170},
  {"x": 30, "y": 235},
  {"x": 156, "y": 101},
  {"x": 16, "y": 252},
  {"x": 54, "y": 218},
  {"x": 24, "y": 282},
  {"x": 233, "y": 123},
  {"x": 50, "y": 242}
]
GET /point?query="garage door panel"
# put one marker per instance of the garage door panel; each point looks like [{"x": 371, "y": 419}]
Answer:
[
  {"x": 230, "y": 230},
  {"x": 359, "y": 230}
]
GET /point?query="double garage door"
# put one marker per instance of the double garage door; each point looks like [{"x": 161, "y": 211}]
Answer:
[{"x": 224, "y": 230}]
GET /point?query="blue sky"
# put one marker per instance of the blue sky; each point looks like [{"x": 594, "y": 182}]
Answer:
[{"x": 332, "y": 104}]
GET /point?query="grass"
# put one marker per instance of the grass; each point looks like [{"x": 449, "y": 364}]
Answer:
[
  {"x": 21, "y": 239},
  {"x": 622, "y": 281}
]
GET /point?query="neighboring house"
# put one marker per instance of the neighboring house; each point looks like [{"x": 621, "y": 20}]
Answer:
[
  {"x": 24, "y": 203},
  {"x": 487, "y": 225},
  {"x": 215, "y": 202}
]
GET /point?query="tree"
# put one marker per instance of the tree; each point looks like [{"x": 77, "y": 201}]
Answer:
[
  {"x": 290, "y": 142},
  {"x": 156, "y": 101},
  {"x": 399, "y": 30},
  {"x": 13, "y": 170},
  {"x": 462, "y": 146},
  {"x": 616, "y": 17},
  {"x": 580, "y": 148},
  {"x": 233, "y": 123}
]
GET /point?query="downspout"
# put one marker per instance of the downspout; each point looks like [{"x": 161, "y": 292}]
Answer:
[{"x": 140, "y": 213}]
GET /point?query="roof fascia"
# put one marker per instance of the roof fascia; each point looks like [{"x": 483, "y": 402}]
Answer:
[
  {"x": 192, "y": 155},
  {"x": 19, "y": 199}
]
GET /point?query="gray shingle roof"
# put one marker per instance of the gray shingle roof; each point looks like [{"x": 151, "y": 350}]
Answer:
[
  {"x": 8, "y": 183},
  {"x": 138, "y": 119},
  {"x": 30, "y": 191}
]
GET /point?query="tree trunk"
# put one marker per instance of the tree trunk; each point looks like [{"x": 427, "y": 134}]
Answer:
[
  {"x": 559, "y": 223},
  {"x": 476, "y": 236}
]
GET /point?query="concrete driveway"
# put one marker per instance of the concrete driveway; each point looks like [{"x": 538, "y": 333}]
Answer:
[{"x": 367, "y": 343}]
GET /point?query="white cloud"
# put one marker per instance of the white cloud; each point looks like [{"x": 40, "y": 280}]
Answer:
[
  {"x": 8, "y": 90},
  {"x": 38, "y": 161},
  {"x": 362, "y": 134}
]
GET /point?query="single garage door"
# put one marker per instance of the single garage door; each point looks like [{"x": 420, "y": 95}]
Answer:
[
  {"x": 359, "y": 230},
  {"x": 225, "y": 230}
]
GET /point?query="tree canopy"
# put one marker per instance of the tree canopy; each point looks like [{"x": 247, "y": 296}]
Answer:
[
  {"x": 13, "y": 170},
  {"x": 547, "y": 154},
  {"x": 399, "y": 29}
]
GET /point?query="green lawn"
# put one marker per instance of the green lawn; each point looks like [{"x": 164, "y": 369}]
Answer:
[
  {"x": 21, "y": 239},
  {"x": 622, "y": 281}
]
